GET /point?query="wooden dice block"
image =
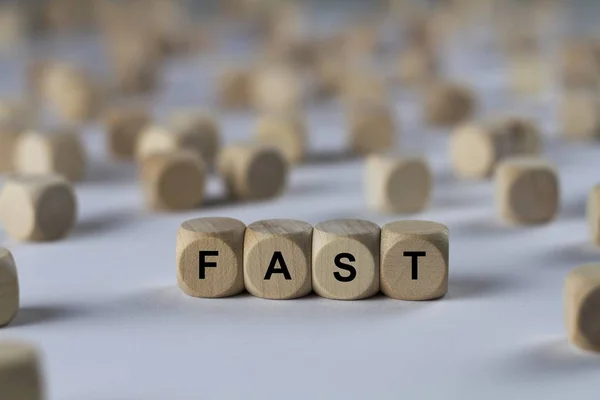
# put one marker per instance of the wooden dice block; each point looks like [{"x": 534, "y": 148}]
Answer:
[
  {"x": 123, "y": 127},
  {"x": 20, "y": 375},
  {"x": 253, "y": 171},
  {"x": 417, "y": 65},
  {"x": 529, "y": 73},
  {"x": 593, "y": 214},
  {"x": 37, "y": 207},
  {"x": 198, "y": 131},
  {"x": 447, "y": 104},
  {"x": 173, "y": 180},
  {"x": 9, "y": 287},
  {"x": 527, "y": 190},
  {"x": 277, "y": 259},
  {"x": 372, "y": 128},
  {"x": 60, "y": 152},
  {"x": 397, "y": 184},
  {"x": 277, "y": 89},
  {"x": 345, "y": 259},
  {"x": 580, "y": 116},
  {"x": 476, "y": 149},
  {"x": 414, "y": 260},
  {"x": 234, "y": 88},
  {"x": 210, "y": 257},
  {"x": 360, "y": 86},
  {"x": 582, "y": 302},
  {"x": 9, "y": 137},
  {"x": 580, "y": 67},
  {"x": 286, "y": 132}
]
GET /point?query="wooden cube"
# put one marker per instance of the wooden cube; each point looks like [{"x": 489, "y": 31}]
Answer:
[
  {"x": 345, "y": 259},
  {"x": 529, "y": 73},
  {"x": 286, "y": 132},
  {"x": 414, "y": 260},
  {"x": 582, "y": 302},
  {"x": 56, "y": 152},
  {"x": 123, "y": 126},
  {"x": 234, "y": 88},
  {"x": 37, "y": 207},
  {"x": 580, "y": 67},
  {"x": 277, "y": 259},
  {"x": 417, "y": 66},
  {"x": 197, "y": 130},
  {"x": 9, "y": 137},
  {"x": 360, "y": 86},
  {"x": 210, "y": 257},
  {"x": 397, "y": 184},
  {"x": 448, "y": 104},
  {"x": 593, "y": 214},
  {"x": 277, "y": 88},
  {"x": 527, "y": 190},
  {"x": 253, "y": 171},
  {"x": 372, "y": 128},
  {"x": 20, "y": 375},
  {"x": 477, "y": 148},
  {"x": 580, "y": 116},
  {"x": 173, "y": 180},
  {"x": 9, "y": 287}
]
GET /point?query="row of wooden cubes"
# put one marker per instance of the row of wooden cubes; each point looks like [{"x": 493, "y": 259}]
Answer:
[{"x": 345, "y": 259}]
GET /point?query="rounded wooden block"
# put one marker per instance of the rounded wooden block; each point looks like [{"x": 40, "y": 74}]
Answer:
[
  {"x": 580, "y": 66},
  {"x": 417, "y": 66},
  {"x": 277, "y": 89},
  {"x": 58, "y": 152},
  {"x": 277, "y": 259},
  {"x": 345, "y": 259},
  {"x": 372, "y": 128},
  {"x": 123, "y": 126},
  {"x": 414, "y": 260},
  {"x": 9, "y": 287},
  {"x": 397, "y": 184},
  {"x": 593, "y": 214},
  {"x": 447, "y": 104},
  {"x": 582, "y": 301},
  {"x": 20, "y": 375},
  {"x": 8, "y": 141},
  {"x": 234, "y": 90},
  {"x": 527, "y": 190},
  {"x": 363, "y": 87},
  {"x": 210, "y": 257},
  {"x": 530, "y": 73},
  {"x": 253, "y": 171},
  {"x": 37, "y": 207},
  {"x": 580, "y": 116},
  {"x": 174, "y": 180},
  {"x": 286, "y": 132},
  {"x": 197, "y": 131}
]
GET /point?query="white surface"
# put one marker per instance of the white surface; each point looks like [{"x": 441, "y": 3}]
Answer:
[{"x": 105, "y": 308}]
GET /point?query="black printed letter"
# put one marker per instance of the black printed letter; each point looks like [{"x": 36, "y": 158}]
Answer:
[
  {"x": 346, "y": 267},
  {"x": 203, "y": 264},
  {"x": 277, "y": 256},
  {"x": 415, "y": 261}
]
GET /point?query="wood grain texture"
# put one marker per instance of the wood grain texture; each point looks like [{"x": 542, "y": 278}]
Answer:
[
  {"x": 346, "y": 242},
  {"x": 448, "y": 104},
  {"x": 20, "y": 371},
  {"x": 527, "y": 190},
  {"x": 396, "y": 184},
  {"x": 286, "y": 132},
  {"x": 55, "y": 152},
  {"x": 197, "y": 131},
  {"x": 283, "y": 245},
  {"x": 580, "y": 115},
  {"x": 396, "y": 266},
  {"x": 372, "y": 128},
  {"x": 37, "y": 207},
  {"x": 123, "y": 126},
  {"x": 9, "y": 287},
  {"x": 223, "y": 272},
  {"x": 173, "y": 180},
  {"x": 593, "y": 214},
  {"x": 582, "y": 300},
  {"x": 253, "y": 171}
]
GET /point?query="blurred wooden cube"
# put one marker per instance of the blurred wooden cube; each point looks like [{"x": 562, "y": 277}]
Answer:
[
  {"x": 582, "y": 302},
  {"x": 9, "y": 287},
  {"x": 20, "y": 371}
]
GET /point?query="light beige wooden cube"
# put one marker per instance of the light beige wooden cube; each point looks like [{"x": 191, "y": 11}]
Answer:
[
  {"x": 277, "y": 88},
  {"x": 173, "y": 180},
  {"x": 197, "y": 130},
  {"x": 580, "y": 115},
  {"x": 59, "y": 151},
  {"x": 582, "y": 302},
  {"x": 123, "y": 126},
  {"x": 530, "y": 73},
  {"x": 277, "y": 259},
  {"x": 414, "y": 260},
  {"x": 9, "y": 137},
  {"x": 20, "y": 371},
  {"x": 448, "y": 104},
  {"x": 286, "y": 132},
  {"x": 253, "y": 171},
  {"x": 396, "y": 184},
  {"x": 234, "y": 88},
  {"x": 360, "y": 86},
  {"x": 579, "y": 66},
  {"x": 210, "y": 257},
  {"x": 372, "y": 128},
  {"x": 417, "y": 66},
  {"x": 593, "y": 214},
  {"x": 477, "y": 148},
  {"x": 345, "y": 259},
  {"x": 527, "y": 190},
  {"x": 37, "y": 207},
  {"x": 9, "y": 287}
]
